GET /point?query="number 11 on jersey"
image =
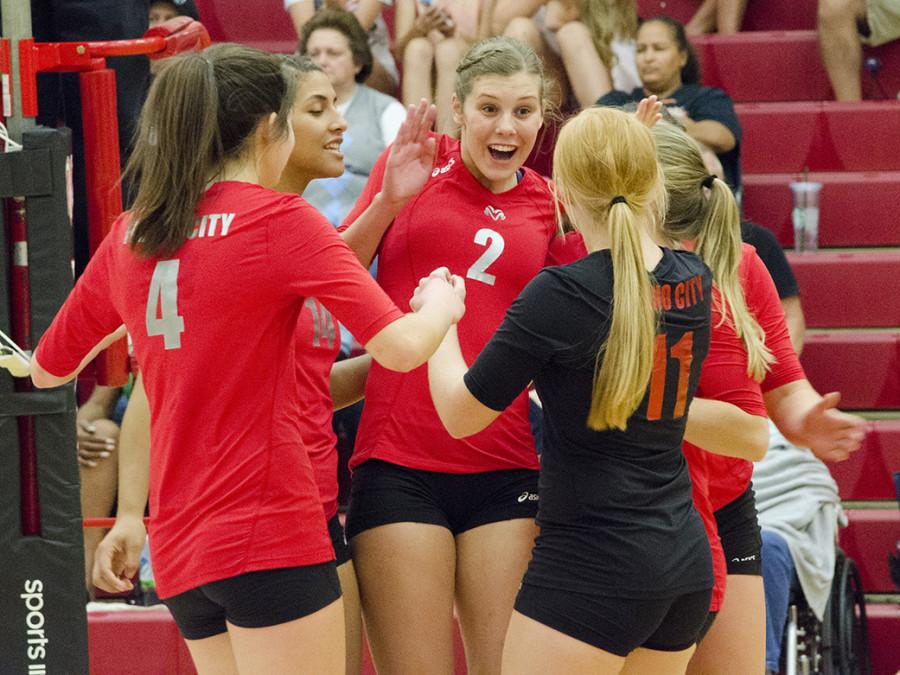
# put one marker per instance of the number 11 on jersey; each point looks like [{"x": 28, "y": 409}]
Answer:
[{"x": 162, "y": 305}]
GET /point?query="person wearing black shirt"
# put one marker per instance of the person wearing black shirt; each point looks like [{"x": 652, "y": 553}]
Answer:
[
  {"x": 621, "y": 573},
  {"x": 668, "y": 67}
]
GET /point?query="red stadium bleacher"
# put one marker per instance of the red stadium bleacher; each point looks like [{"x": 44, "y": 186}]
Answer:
[
  {"x": 792, "y": 69},
  {"x": 263, "y": 24},
  {"x": 761, "y": 14},
  {"x": 850, "y": 205},
  {"x": 849, "y": 289},
  {"x": 863, "y": 366},
  {"x": 884, "y": 637},
  {"x": 820, "y": 136},
  {"x": 868, "y": 472},
  {"x": 870, "y": 536},
  {"x": 136, "y": 641}
]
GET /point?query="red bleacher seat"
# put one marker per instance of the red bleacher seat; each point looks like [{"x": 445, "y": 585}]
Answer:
[
  {"x": 851, "y": 206},
  {"x": 783, "y": 66},
  {"x": 136, "y": 641},
  {"x": 884, "y": 637},
  {"x": 262, "y": 23},
  {"x": 824, "y": 136},
  {"x": 761, "y": 14},
  {"x": 868, "y": 472},
  {"x": 849, "y": 289},
  {"x": 870, "y": 536},
  {"x": 863, "y": 366}
]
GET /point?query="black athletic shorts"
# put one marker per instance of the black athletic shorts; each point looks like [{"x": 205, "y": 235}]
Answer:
[
  {"x": 618, "y": 625},
  {"x": 338, "y": 540},
  {"x": 255, "y": 599},
  {"x": 382, "y": 493},
  {"x": 739, "y": 532},
  {"x": 704, "y": 629}
]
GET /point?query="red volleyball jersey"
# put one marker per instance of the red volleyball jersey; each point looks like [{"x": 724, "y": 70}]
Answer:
[
  {"x": 318, "y": 342},
  {"x": 213, "y": 326},
  {"x": 497, "y": 242},
  {"x": 729, "y": 476}
]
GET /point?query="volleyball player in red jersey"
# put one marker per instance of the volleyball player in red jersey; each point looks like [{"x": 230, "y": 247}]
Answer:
[
  {"x": 435, "y": 521},
  {"x": 752, "y": 346},
  {"x": 208, "y": 273}
]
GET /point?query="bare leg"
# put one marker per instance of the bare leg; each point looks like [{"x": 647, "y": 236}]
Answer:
[
  {"x": 730, "y": 15},
  {"x": 381, "y": 79},
  {"x": 312, "y": 645},
  {"x": 532, "y": 648},
  {"x": 447, "y": 54},
  {"x": 736, "y": 643},
  {"x": 524, "y": 29},
  {"x": 490, "y": 563},
  {"x": 704, "y": 19},
  {"x": 98, "y": 492},
  {"x": 213, "y": 655},
  {"x": 418, "y": 63},
  {"x": 642, "y": 661},
  {"x": 588, "y": 76},
  {"x": 840, "y": 47},
  {"x": 352, "y": 616},
  {"x": 406, "y": 578}
]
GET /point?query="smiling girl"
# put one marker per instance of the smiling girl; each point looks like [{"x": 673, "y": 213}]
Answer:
[{"x": 433, "y": 520}]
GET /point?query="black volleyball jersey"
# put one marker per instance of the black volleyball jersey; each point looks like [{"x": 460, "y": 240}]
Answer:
[{"x": 616, "y": 513}]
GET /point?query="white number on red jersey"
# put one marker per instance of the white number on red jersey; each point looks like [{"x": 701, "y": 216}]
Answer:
[
  {"x": 495, "y": 244},
  {"x": 162, "y": 305}
]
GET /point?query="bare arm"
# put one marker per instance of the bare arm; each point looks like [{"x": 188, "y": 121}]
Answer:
[
  {"x": 367, "y": 12},
  {"x": 812, "y": 421},
  {"x": 118, "y": 555},
  {"x": 507, "y": 10},
  {"x": 725, "y": 429},
  {"x": 348, "y": 380},
  {"x": 796, "y": 322},
  {"x": 42, "y": 379},
  {"x": 713, "y": 134},
  {"x": 301, "y": 12},
  {"x": 461, "y": 413}
]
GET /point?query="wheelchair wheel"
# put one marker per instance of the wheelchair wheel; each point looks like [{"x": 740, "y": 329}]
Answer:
[{"x": 845, "y": 643}]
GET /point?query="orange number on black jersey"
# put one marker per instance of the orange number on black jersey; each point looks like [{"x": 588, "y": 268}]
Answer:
[
  {"x": 682, "y": 351},
  {"x": 162, "y": 305},
  {"x": 495, "y": 244}
]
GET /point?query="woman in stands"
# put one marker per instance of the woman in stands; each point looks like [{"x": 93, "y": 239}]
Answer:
[
  {"x": 209, "y": 273},
  {"x": 668, "y": 67},
  {"x": 435, "y": 521},
  {"x": 750, "y": 345},
  {"x": 621, "y": 576}
]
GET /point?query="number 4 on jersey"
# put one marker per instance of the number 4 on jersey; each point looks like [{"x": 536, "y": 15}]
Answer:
[{"x": 162, "y": 305}]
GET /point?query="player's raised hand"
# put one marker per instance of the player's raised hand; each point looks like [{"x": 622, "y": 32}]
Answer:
[
  {"x": 412, "y": 155},
  {"x": 648, "y": 111}
]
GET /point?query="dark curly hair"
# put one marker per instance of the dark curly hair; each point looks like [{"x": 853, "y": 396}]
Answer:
[{"x": 343, "y": 22}]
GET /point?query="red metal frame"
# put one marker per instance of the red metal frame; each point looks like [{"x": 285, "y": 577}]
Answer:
[{"x": 101, "y": 131}]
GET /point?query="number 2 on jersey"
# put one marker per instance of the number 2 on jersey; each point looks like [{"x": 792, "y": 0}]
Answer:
[
  {"x": 495, "y": 244},
  {"x": 162, "y": 305},
  {"x": 681, "y": 351}
]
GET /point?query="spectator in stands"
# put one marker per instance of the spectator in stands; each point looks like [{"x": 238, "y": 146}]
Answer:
[
  {"x": 799, "y": 511},
  {"x": 669, "y": 69},
  {"x": 598, "y": 50},
  {"x": 717, "y": 16},
  {"x": 535, "y": 23},
  {"x": 97, "y": 422},
  {"x": 842, "y": 26},
  {"x": 336, "y": 42},
  {"x": 383, "y": 75},
  {"x": 431, "y": 39}
]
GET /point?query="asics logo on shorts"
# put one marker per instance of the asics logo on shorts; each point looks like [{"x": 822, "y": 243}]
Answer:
[
  {"x": 527, "y": 497},
  {"x": 496, "y": 214},
  {"x": 746, "y": 558}
]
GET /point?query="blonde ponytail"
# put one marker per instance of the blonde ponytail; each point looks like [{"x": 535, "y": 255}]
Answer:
[
  {"x": 715, "y": 225},
  {"x": 605, "y": 169}
]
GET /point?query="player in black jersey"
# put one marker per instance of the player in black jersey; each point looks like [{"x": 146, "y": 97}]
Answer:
[{"x": 621, "y": 574}]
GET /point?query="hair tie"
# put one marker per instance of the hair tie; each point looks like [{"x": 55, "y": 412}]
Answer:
[
  {"x": 708, "y": 181},
  {"x": 618, "y": 199}
]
